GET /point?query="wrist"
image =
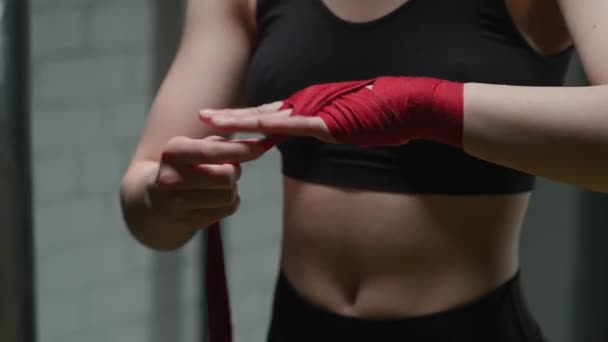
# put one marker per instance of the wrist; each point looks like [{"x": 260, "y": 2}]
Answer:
[{"x": 437, "y": 108}]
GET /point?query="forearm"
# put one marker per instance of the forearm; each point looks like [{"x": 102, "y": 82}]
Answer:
[
  {"x": 556, "y": 132},
  {"x": 208, "y": 71},
  {"x": 139, "y": 215}
]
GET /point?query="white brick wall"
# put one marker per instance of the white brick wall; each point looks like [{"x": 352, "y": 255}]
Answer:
[
  {"x": 130, "y": 17},
  {"x": 92, "y": 73},
  {"x": 92, "y": 66},
  {"x": 81, "y": 78},
  {"x": 66, "y": 24}
]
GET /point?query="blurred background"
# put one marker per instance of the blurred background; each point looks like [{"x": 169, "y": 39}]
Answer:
[{"x": 94, "y": 67}]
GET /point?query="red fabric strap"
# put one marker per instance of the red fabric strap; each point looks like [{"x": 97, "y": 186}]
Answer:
[
  {"x": 395, "y": 111},
  {"x": 218, "y": 303}
]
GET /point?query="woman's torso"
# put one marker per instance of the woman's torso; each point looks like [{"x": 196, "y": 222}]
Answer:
[{"x": 437, "y": 240}]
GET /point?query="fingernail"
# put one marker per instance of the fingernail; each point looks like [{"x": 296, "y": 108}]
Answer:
[{"x": 205, "y": 113}]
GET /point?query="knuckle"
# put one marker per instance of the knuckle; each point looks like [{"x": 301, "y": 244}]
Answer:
[
  {"x": 229, "y": 175},
  {"x": 168, "y": 176},
  {"x": 258, "y": 121},
  {"x": 174, "y": 147},
  {"x": 176, "y": 143},
  {"x": 258, "y": 110},
  {"x": 248, "y": 152},
  {"x": 264, "y": 122},
  {"x": 225, "y": 175},
  {"x": 215, "y": 138},
  {"x": 209, "y": 150}
]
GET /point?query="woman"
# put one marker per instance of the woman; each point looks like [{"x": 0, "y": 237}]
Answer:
[{"x": 408, "y": 227}]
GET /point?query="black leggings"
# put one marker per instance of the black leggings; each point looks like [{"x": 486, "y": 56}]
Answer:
[{"x": 500, "y": 316}]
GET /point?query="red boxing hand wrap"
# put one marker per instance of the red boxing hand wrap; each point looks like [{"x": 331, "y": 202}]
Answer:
[{"x": 395, "y": 111}]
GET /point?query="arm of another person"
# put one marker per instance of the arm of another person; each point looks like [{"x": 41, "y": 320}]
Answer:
[{"x": 208, "y": 71}]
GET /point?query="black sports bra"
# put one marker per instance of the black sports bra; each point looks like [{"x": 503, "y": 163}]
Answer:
[{"x": 301, "y": 42}]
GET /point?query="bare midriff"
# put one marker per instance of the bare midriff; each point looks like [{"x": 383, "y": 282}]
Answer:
[{"x": 384, "y": 255}]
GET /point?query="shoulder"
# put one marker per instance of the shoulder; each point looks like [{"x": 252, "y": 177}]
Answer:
[
  {"x": 213, "y": 11},
  {"x": 220, "y": 18}
]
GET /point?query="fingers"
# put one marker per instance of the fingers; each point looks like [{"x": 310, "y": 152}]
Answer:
[
  {"x": 296, "y": 126},
  {"x": 251, "y": 111},
  {"x": 196, "y": 182},
  {"x": 252, "y": 122},
  {"x": 187, "y": 200},
  {"x": 266, "y": 120},
  {"x": 204, "y": 217},
  {"x": 201, "y": 176},
  {"x": 276, "y": 124},
  {"x": 176, "y": 192},
  {"x": 229, "y": 173},
  {"x": 216, "y": 150},
  {"x": 196, "y": 208}
]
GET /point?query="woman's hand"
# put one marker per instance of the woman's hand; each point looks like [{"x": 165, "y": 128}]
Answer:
[
  {"x": 383, "y": 111},
  {"x": 193, "y": 186},
  {"x": 196, "y": 183}
]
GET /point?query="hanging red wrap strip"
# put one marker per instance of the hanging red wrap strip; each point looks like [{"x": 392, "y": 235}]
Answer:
[{"x": 218, "y": 302}]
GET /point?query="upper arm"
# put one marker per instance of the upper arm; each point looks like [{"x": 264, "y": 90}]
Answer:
[
  {"x": 207, "y": 72},
  {"x": 587, "y": 22}
]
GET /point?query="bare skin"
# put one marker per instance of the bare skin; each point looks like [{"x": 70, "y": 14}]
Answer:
[
  {"x": 405, "y": 254},
  {"x": 358, "y": 253}
]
